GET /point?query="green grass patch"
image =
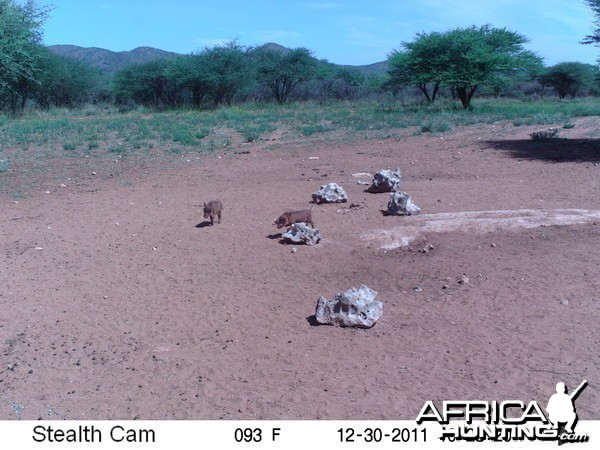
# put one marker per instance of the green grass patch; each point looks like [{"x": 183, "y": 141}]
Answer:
[
  {"x": 437, "y": 124},
  {"x": 253, "y": 131},
  {"x": 140, "y": 129},
  {"x": 309, "y": 130},
  {"x": 18, "y": 195},
  {"x": 33, "y": 143},
  {"x": 201, "y": 134},
  {"x": 120, "y": 149},
  {"x": 69, "y": 146}
]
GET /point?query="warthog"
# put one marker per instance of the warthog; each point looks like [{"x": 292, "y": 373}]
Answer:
[
  {"x": 290, "y": 217},
  {"x": 212, "y": 209}
]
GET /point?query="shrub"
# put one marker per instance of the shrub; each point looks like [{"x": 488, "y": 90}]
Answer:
[{"x": 436, "y": 124}]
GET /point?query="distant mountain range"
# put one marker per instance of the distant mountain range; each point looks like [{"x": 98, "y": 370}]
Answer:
[{"x": 110, "y": 62}]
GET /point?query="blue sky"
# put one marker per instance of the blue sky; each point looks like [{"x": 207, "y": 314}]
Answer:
[{"x": 341, "y": 31}]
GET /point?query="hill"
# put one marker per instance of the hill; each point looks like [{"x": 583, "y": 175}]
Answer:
[
  {"x": 372, "y": 69},
  {"x": 109, "y": 61}
]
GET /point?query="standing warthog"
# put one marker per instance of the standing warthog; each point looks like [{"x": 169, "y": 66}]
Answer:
[
  {"x": 212, "y": 209},
  {"x": 290, "y": 217}
]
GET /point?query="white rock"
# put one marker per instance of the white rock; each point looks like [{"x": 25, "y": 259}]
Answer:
[
  {"x": 400, "y": 204},
  {"x": 353, "y": 308},
  {"x": 385, "y": 181},
  {"x": 300, "y": 233},
  {"x": 330, "y": 193}
]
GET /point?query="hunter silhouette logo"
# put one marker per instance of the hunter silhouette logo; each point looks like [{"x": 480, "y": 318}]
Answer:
[
  {"x": 561, "y": 408},
  {"x": 509, "y": 420}
]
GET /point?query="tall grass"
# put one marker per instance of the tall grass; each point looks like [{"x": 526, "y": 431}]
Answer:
[{"x": 106, "y": 130}]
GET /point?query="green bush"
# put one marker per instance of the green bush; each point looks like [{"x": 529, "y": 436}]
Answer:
[{"x": 436, "y": 124}]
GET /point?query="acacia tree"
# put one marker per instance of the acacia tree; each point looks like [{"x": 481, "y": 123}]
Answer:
[
  {"x": 420, "y": 64},
  {"x": 225, "y": 70},
  {"x": 569, "y": 78},
  {"x": 217, "y": 73},
  {"x": 462, "y": 59},
  {"x": 594, "y": 38},
  {"x": 148, "y": 84},
  {"x": 188, "y": 72},
  {"x": 282, "y": 71},
  {"x": 63, "y": 81},
  {"x": 335, "y": 82},
  {"x": 20, "y": 41},
  {"x": 348, "y": 83}
]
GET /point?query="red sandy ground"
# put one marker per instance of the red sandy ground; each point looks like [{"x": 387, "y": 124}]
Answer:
[{"x": 117, "y": 302}]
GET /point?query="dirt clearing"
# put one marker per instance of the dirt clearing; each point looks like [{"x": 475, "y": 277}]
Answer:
[{"x": 119, "y": 302}]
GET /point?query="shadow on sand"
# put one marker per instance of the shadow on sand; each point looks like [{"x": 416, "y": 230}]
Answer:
[
  {"x": 551, "y": 150},
  {"x": 204, "y": 224},
  {"x": 312, "y": 320}
]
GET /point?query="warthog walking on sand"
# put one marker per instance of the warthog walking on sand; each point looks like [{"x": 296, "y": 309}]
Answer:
[
  {"x": 212, "y": 209},
  {"x": 290, "y": 217}
]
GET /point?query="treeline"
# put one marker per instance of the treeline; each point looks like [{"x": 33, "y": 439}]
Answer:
[
  {"x": 228, "y": 73},
  {"x": 231, "y": 73},
  {"x": 30, "y": 73},
  {"x": 454, "y": 64}
]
